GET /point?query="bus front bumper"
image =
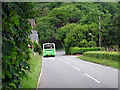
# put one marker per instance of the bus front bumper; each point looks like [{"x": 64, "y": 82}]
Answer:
[{"x": 48, "y": 55}]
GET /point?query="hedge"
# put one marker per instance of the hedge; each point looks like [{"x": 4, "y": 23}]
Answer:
[
  {"x": 77, "y": 50},
  {"x": 15, "y": 53},
  {"x": 103, "y": 55}
]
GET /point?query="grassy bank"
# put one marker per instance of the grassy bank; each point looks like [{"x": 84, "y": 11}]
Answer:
[
  {"x": 101, "y": 61},
  {"x": 35, "y": 65}
]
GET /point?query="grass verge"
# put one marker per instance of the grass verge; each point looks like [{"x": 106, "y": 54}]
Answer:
[
  {"x": 100, "y": 61},
  {"x": 35, "y": 68}
]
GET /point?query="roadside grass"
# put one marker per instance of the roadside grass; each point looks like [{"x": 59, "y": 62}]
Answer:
[
  {"x": 111, "y": 63},
  {"x": 35, "y": 68}
]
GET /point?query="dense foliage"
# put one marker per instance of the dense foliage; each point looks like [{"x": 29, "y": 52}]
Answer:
[
  {"x": 69, "y": 24},
  {"x": 66, "y": 14},
  {"x": 77, "y": 50},
  {"x": 103, "y": 55},
  {"x": 15, "y": 31},
  {"x": 92, "y": 44},
  {"x": 47, "y": 30},
  {"x": 72, "y": 33}
]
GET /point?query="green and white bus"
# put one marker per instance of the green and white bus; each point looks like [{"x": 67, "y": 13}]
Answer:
[{"x": 48, "y": 49}]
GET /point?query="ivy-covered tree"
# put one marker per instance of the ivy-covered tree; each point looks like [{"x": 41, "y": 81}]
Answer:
[{"x": 15, "y": 31}]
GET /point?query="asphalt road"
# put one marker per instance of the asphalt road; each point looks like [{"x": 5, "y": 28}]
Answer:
[{"x": 65, "y": 71}]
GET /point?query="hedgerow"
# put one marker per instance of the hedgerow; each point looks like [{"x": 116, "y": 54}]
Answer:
[
  {"x": 15, "y": 31},
  {"x": 77, "y": 50},
  {"x": 103, "y": 55}
]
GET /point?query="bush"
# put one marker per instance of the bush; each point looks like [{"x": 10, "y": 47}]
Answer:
[
  {"x": 90, "y": 44},
  {"x": 103, "y": 48},
  {"x": 115, "y": 47},
  {"x": 103, "y": 55},
  {"x": 77, "y": 50},
  {"x": 83, "y": 43},
  {"x": 37, "y": 47}
]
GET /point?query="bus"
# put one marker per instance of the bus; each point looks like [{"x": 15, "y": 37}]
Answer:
[{"x": 48, "y": 49}]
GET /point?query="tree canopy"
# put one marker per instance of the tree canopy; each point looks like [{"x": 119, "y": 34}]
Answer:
[{"x": 63, "y": 17}]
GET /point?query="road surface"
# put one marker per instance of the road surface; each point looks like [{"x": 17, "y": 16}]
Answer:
[{"x": 65, "y": 71}]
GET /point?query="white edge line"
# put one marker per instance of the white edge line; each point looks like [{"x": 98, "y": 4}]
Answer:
[
  {"x": 40, "y": 75},
  {"x": 76, "y": 68},
  {"x": 92, "y": 78}
]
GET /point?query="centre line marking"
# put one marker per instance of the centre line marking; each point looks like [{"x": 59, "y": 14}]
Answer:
[
  {"x": 76, "y": 68},
  {"x": 92, "y": 78}
]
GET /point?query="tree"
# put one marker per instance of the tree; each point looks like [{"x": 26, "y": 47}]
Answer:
[
  {"x": 92, "y": 43},
  {"x": 46, "y": 27},
  {"x": 66, "y": 14},
  {"x": 83, "y": 43},
  {"x": 86, "y": 14},
  {"x": 52, "y": 5},
  {"x": 41, "y": 9},
  {"x": 71, "y": 34}
]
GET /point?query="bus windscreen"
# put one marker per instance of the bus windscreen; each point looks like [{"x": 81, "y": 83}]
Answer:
[{"x": 49, "y": 46}]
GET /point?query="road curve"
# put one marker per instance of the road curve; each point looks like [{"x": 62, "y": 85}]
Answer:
[{"x": 64, "y": 71}]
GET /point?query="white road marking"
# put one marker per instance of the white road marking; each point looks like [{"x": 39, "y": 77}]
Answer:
[
  {"x": 76, "y": 68},
  {"x": 40, "y": 77},
  {"x": 92, "y": 78}
]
